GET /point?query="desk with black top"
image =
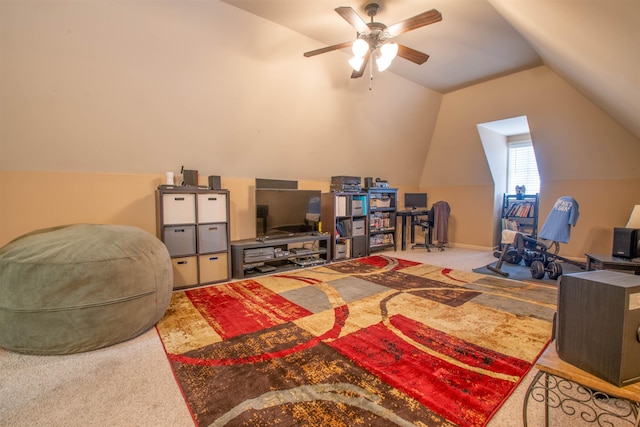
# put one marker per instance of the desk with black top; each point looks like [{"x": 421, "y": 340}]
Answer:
[
  {"x": 410, "y": 214},
  {"x": 609, "y": 262}
]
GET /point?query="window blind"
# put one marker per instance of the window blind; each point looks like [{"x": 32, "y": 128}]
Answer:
[{"x": 522, "y": 168}]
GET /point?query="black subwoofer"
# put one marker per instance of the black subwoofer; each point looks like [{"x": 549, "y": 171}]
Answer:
[
  {"x": 625, "y": 242},
  {"x": 190, "y": 177},
  {"x": 214, "y": 182},
  {"x": 598, "y": 324},
  {"x": 368, "y": 182}
]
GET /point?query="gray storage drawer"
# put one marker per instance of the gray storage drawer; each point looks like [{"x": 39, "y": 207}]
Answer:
[
  {"x": 180, "y": 240},
  {"x": 359, "y": 246},
  {"x": 212, "y": 238},
  {"x": 357, "y": 207}
]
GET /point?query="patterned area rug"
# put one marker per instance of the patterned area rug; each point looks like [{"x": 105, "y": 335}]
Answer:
[{"x": 375, "y": 341}]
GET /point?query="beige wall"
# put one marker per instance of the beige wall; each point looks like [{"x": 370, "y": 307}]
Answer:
[
  {"x": 581, "y": 152},
  {"x": 32, "y": 200},
  {"x": 99, "y": 99},
  {"x": 144, "y": 87},
  {"x": 604, "y": 204}
]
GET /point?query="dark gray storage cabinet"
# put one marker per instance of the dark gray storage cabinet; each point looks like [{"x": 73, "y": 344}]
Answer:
[
  {"x": 255, "y": 257},
  {"x": 344, "y": 217},
  {"x": 383, "y": 204},
  {"x": 194, "y": 225}
]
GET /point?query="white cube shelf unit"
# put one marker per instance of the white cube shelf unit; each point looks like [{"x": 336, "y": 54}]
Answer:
[{"x": 194, "y": 225}]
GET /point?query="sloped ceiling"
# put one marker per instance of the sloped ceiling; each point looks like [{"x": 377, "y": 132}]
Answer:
[{"x": 593, "y": 44}]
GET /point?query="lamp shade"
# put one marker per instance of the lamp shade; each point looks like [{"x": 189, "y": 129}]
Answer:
[{"x": 634, "y": 219}]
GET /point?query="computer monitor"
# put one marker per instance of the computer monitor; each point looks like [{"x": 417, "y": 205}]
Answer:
[{"x": 415, "y": 200}]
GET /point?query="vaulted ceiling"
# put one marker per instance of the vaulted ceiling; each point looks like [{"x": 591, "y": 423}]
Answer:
[{"x": 593, "y": 44}]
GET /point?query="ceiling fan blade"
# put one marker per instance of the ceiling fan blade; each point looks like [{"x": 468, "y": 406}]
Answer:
[
  {"x": 425, "y": 18},
  {"x": 412, "y": 54},
  {"x": 352, "y": 18},
  {"x": 328, "y": 49},
  {"x": 360, "y": 72}
]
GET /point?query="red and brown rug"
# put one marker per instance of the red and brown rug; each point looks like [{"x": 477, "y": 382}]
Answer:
[{"x": 375, "y": 341}]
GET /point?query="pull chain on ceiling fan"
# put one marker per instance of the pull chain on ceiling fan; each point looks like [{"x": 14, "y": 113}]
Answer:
[{"x": 372, "y": 41}]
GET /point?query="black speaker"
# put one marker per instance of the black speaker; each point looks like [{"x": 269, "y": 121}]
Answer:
[
  {"x": 190, "y": 177},
  {"x": 598, "y": 324},
  {"x": 214, "y": 182},
  {"x": 368, "y": 182},
  {"x": 625, "y": 242}
]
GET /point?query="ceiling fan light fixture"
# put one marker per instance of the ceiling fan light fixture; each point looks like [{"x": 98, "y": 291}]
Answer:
[
  {"x": 386, "y": 54},
  {"x": 371, "y": 40},
  {"x": 382, "y": 64},
  {"x": 359, "y": 48},
  {"x": 356, "y": 62},
  {"x": 389, "y": 51}
]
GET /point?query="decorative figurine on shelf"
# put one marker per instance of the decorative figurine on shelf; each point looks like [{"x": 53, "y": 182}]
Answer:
[{"x": 520, "y": 192}]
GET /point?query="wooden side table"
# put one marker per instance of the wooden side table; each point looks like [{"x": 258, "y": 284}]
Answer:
[
  {"x": 609, "y": 262},
  {"x": 563, "y": 386}
]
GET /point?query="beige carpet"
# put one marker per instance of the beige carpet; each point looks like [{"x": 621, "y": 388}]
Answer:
[{"x": 131, "y": 384}]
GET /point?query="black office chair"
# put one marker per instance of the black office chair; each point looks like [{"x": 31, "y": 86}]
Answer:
[{"x": 427, "y": 224}]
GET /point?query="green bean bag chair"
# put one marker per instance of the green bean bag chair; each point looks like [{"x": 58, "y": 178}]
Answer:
[{"x": 81, "y": 287}]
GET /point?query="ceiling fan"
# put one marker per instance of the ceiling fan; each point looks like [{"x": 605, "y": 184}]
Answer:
[{"x": 373, "y": 38}]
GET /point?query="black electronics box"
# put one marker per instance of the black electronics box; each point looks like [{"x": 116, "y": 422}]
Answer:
[
  {"x": 598, "y": 324},
  {"x": 368, "y": 182},
  {"x": 346, "y": 183},
  {"x": 626, "y": 242},
  {"x": 259, "y": 254},
  {"x": 351, "y": 180},
  {"x": 190, "y": 177},
  {"x": 214, "y": 182}
]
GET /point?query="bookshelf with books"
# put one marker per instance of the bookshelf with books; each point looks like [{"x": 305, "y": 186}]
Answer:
[
  {"x": 520, "y": 213},
  {"x": 344, "y": 216},
  {"x": 382, "y": 218}
]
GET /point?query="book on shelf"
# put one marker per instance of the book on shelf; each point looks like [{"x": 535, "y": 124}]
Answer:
[{"x": 521, "y": 209}]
